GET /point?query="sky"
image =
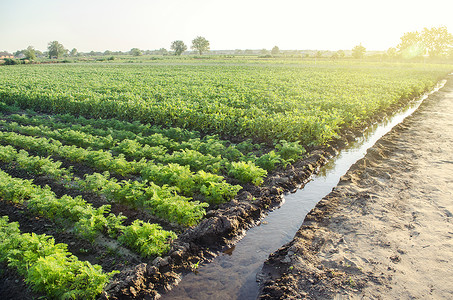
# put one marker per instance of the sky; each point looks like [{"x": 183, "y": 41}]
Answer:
[{"x": 120, "y": 25}]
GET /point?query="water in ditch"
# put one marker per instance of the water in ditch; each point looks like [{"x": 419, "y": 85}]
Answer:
[{"x": 232, "y": 275}]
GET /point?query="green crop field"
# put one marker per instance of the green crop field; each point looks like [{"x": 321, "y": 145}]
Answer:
[
  {"x": 307, "y": 102},
  {"x": 168, "y": 140}
]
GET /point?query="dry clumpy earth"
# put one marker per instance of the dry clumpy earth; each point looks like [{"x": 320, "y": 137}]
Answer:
[{"x": 386, "y": 231}]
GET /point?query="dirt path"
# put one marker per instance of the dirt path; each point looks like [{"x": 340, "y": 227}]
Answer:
[{"x": 386, "y": 231}]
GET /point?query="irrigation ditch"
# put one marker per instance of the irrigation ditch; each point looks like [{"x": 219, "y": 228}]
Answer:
[{"x": 221, "y": 257}]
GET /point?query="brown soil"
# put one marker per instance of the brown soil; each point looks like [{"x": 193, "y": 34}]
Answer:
[
  {"x": 13, "y": 286},
  {"x": 385, "y": 232}
]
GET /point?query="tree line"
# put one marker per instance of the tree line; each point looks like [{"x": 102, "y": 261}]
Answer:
[
  {"x": 56, "y": 50},
  {"x": 434, "y": 42}
]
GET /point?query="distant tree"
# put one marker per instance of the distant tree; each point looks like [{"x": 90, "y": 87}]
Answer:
[
  {"x": 358, "y": 51},
  {"x": 248, "y": 52},
  {"x": 200, "y": 44},
  {"x": 409, "y": 39},
  {"x": 437, "y": 41},
  {"x": 162, "y": 51},
  {"x": 18, "y": 53},
  {"x": 179, "y": 47},
  {"x": 135, "y": 52},
  {"x": 341, "y": 53},
  {"x": 108, "y": 52},
  {"x": 73, "y": 52},
  {"x": 238, "y": 52},
  {"x": 30, "y": 53},
  {"x": 434, "y": 41},
  {"x": 450, "y": 54},
  {"x": 411, "y": 45},
  {"x": 39, "y": 53},
  {"x": 275, "y": 51},
  {"x": 55, "y": 49},
  {"x": 264, "y": 52},
  {"x": 319, "y": 54},
  {"x": 391, "y": 52},
  {"x": 334, "y": 56}
]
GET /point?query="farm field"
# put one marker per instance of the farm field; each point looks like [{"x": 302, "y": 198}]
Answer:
[
  {"x": 107, "y": 168},
  {"x": 307, "y": 102}
]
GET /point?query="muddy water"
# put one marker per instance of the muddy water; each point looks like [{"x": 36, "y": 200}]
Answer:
[{"x": 232, "y": 275}]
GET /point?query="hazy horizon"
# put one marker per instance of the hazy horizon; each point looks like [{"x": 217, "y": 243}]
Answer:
[{"x": 149, "y": 25}]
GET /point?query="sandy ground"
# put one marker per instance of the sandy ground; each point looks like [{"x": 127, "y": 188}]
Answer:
[{"x": 386, "y": 231}]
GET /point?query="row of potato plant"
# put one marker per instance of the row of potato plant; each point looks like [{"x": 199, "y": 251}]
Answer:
[
  {"x": 173, "y": 139},
  {"x": 172, "y": 174},
  {"x": 36, "y": 165},
  {"x": 49, "y": 267},
  {"x": 86, "y": 220},
  {"x": 131, "y": 149},
  {"x": 162, "y": 202},
  {"x": 212, "y": 186},
  {"x": 210, "y": 153}
]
